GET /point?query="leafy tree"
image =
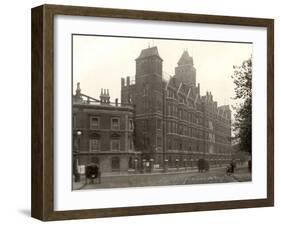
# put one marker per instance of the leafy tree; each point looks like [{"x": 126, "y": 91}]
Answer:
[{"x": 242, "y": 77}]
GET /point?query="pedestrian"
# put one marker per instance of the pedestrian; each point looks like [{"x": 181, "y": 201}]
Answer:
[{"x": 232, "y": 166}]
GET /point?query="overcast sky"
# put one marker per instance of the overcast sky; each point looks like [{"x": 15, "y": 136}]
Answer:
[{"x": 100, "y": 62}]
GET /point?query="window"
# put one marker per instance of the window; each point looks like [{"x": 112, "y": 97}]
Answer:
[
  {"x": 175, "y": 127},
  {"x": 145, "y": 125},
  {"x": 170, "y": 93},
  {"x": 94, "y": 123},
  {"x": 169, "y": 143},
  {"x": 145, "y": 90},
  {"x": 180, "y": 144},
  {"x": 94, "y": 144},
  {"x": 74, "y": 121},
  {"x": 180, "y": 127},
  {"x": 131, "y": 124},
  {"x": 211, "y": 125},
  {"x": 180, "y": 113},
  {"x": 159, "y": 124},
  {"x": 115, "y": 123},
  {"x": 169, "y": 109},
  {"x": 76, "y": 143},
  {"x": 159, "y": 142},
  {"x": 169, "y": 126},
  {"x": 131, "y": 144},
  {"x": 115, "y": 163},
  {"x": 115, "y": 145},
  {"x": 159, "y": 105}
]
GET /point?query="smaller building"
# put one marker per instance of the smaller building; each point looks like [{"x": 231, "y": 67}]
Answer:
[{"x": 103, "y": 133}]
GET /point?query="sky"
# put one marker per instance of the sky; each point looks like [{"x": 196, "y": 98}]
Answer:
[{"x": 101, "y": 61}]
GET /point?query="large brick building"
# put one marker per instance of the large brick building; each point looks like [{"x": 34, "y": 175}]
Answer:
[
  {"x": 161, "y": 123},
  {"x": 175, "y": 125}
]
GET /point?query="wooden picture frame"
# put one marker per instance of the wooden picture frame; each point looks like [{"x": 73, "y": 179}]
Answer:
[{"x": 42, "y": 203}]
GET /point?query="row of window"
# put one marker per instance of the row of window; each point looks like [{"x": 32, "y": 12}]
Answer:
[
  {"x": 173, "y": 127},
  {"x": 177, "y": 144},
  {"x": 115, "y": 123},
  {"x": 173, "y": 110},
  {"x": 95, "y": 144}
]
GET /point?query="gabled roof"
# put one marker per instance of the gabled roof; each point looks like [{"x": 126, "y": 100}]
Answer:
[
  {"x": 185, "y": 59},
  {"x": 172, "y": 83},
  {"x": 223, "y": 108},
  {"x": 152, "y": 51}
]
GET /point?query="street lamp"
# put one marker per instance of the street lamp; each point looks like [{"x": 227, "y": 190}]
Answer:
[
  {"x": 151, "y": 164},
  {"x": 177, "y": 164},
  {"x": 143, "y": 165},
  {"x": 166, "y": 164},
  {"x": 136, "y": 164},
  {"x": 76, "y": 173},
  {"x": 184, "y": 163}
]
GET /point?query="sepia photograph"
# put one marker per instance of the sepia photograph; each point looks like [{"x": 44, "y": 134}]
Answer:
[{"x": 160, "y": 112}]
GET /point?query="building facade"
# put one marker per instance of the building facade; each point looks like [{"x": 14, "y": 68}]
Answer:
[
  {"x": 158, "y": 124},
  {"x": 175, "y": 125},
  {"x": 103, "y": 133}
]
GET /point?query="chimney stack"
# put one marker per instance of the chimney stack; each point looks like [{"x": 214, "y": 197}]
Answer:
[
  {"x": 128, "y": 80},
  {"x": 107, "y": 97},
  {"x": 101, "y": 96}
]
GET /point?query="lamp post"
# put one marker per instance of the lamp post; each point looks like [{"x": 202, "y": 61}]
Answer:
[
  {"x": 151, "y": 164},
  {"x": 177, "y": 164},
  {"x": 184, "y": 163},
  {"x": 166, "y": 165},
  {"x": 143, "y": 166},
  {"x": 136, "y": 165},
  {"x": 75, "y": 160}
]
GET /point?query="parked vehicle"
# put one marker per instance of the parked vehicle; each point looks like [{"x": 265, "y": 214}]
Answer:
[
  {"x": 203, "y": 165},
  {"x": 93, "y": 174},
  {"x": 230, "y": 168}
]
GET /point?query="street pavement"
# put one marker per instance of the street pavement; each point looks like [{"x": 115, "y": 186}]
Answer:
[{"x": 215, "y": 175}]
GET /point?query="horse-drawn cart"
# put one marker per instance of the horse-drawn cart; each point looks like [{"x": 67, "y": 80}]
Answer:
[{"x": 93, "y": 174}]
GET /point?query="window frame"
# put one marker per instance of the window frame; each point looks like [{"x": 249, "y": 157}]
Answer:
[
  {"x": 111, "y": 123},
  {"x": 111, "y": 144},
  {"x": 90, "y": 145},
  {"x": 98, "y": 119}
]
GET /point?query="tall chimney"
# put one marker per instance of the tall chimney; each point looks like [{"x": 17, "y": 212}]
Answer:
[
  {"x": 128, "y": 80},
  {"x": 101, "y": 95},
  {"x": 107, "y": 96}
]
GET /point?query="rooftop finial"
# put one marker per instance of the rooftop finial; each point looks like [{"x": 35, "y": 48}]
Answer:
[{"x": 78, "y": 89}]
